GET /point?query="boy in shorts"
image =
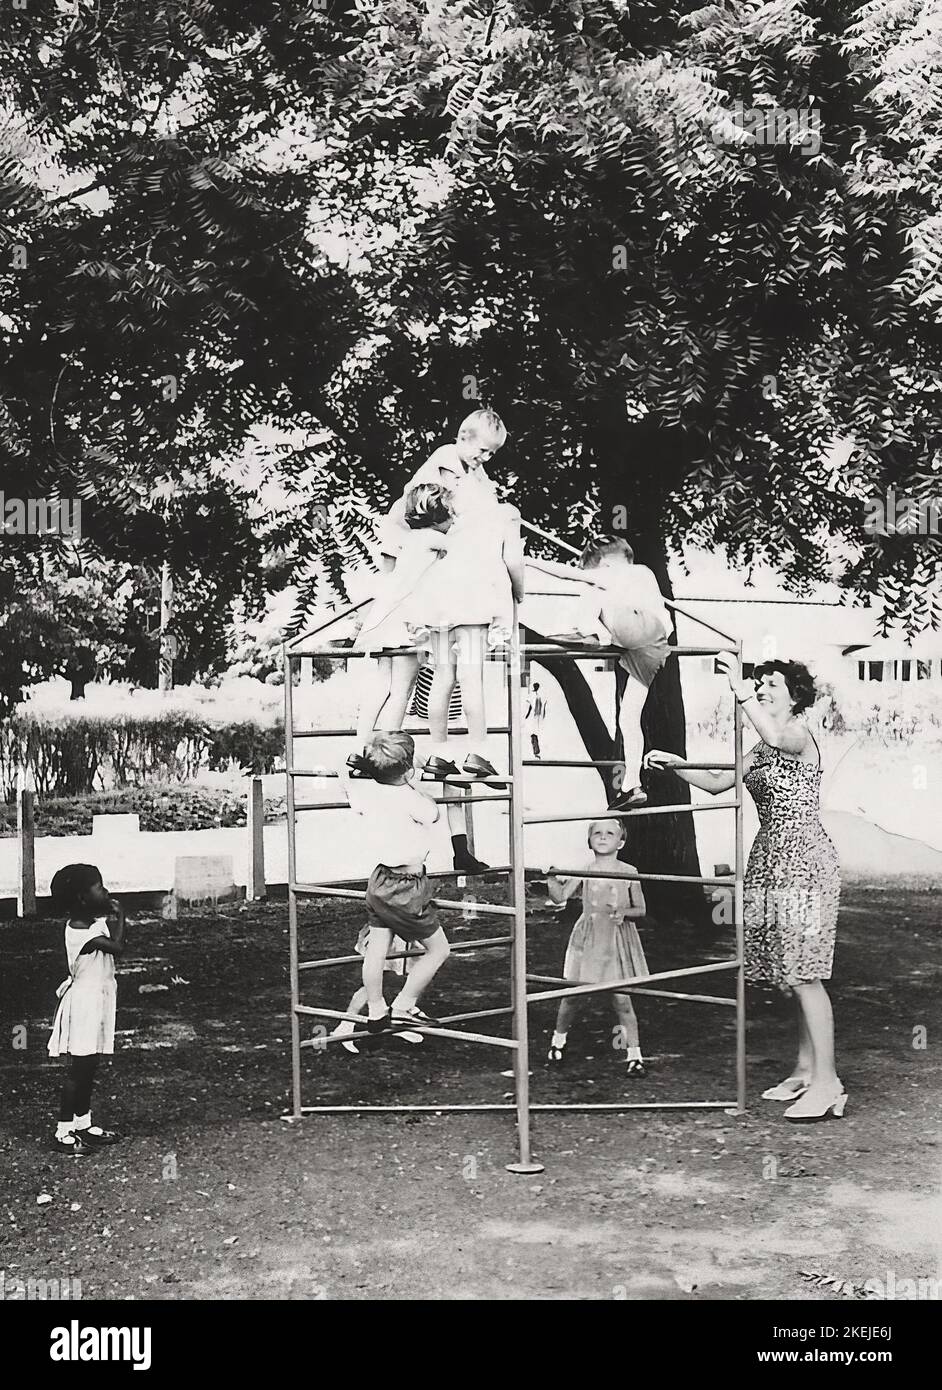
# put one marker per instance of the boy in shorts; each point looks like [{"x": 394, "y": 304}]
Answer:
[{"x": 399, "y": 892}]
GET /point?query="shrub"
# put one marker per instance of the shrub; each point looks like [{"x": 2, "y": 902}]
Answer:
[{"x": 162, "y": 806}]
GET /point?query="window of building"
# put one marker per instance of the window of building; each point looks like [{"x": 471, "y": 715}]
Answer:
[
  {"x": 875, "y": 670},
  {"x": 905, "y": 670},
  {"x": 861, "y": 670},
  {"x": 923, "y": 670}
]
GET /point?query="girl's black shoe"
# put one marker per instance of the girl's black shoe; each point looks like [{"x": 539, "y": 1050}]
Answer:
[
  {"x": 467, "y": 864},
  {"x": 437, "y": 769},
  {"x": 358, "y": 766},
  {"x": 90, "y": 1140},
  {"x": 375, "y": 1027},
  {"x": 75, "y": 1147}
]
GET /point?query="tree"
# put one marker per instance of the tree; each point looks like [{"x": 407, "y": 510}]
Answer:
[{"x": 675, "y": 320}]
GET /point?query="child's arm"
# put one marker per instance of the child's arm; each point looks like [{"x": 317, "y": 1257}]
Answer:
[
  {"x": 423, "y": 809},
  {"x": 117, "y": 924},
  {"x": 561, "y": 889},
  {"x": 513, "y": 554},
  {"x": 102, "y": 943},
  {"x": 637, "y": 907}
]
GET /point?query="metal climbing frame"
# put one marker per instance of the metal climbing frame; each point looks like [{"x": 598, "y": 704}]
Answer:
[{"x": 514, "y": 911}]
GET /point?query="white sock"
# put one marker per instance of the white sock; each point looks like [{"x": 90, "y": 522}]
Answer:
[
  {"x": 377, "y": 1010},
  {"x": 633, "y": 1054},
  {"x": 346, "y": 1025},
  {"x": 405, "y": 1003},
  {"x": 559, "y": 1039},
  {"x": 82, "y": 1121},
  {"x": 64, "y": 1129}
]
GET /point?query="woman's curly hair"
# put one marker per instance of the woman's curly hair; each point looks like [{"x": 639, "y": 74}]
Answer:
[{"x": 798, "y": 681}]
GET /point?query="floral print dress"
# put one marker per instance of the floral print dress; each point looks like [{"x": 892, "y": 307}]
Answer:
[{"x": 792, "y": 884}]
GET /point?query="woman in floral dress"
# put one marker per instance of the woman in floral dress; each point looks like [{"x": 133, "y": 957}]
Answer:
[{"x": 792, "y": 882}]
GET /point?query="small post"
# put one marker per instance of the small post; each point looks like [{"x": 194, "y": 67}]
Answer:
[
  {"x": 255, "y": 823},
  {"x": 26, "y": 854},
  {"x": 467, "y": 802}
]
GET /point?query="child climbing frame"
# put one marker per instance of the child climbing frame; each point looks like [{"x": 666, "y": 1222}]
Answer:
[{"x": 513, "y": 911}]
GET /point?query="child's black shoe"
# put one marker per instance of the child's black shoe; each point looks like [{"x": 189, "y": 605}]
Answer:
[
  {"x": 375, "y": 1027},
  {"x": 70, "y": 1146},
  {"x": 94, "y": 1138}
]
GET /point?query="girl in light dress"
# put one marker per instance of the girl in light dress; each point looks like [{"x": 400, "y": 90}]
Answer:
[
  {"x": 83, "y": 1028},
  {"x": 604, "y": 945},
  {"x": 466, "y": 600}
]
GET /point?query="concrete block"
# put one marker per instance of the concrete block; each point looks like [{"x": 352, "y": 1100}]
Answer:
[
  {"x": 201, "y": 880},
  {"x": 116, "y": 826}
]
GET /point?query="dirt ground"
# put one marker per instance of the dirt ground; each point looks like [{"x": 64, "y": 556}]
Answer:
[{"x": 212, "y": 1195}]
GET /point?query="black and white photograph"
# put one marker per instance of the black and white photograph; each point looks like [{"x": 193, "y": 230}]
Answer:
[{"x": 471, "y": 664}]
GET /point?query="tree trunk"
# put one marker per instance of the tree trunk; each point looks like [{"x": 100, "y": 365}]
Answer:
[
  {"x": 581, "y": 702},
  {"x": 637, "y": 464},
  {"x": 78, "y": 684}
]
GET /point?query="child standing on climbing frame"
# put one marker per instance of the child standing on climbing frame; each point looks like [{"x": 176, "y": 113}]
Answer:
[
  {"x": 399, "y": 893},
  {"x": 427, "y": 515},
  {"x": 83, "y": 1028},
  {"x": 622, "y": 605},
  {"x": 466, "y": 600},
  {"x": 604, "y": 945}
]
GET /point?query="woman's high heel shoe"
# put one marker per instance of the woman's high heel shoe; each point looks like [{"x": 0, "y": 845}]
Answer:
[
  {"x": 789, "y": 1089},
  {"x": 834, "y": 1108}
]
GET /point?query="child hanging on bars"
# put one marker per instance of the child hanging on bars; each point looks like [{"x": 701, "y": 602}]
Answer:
[
  {"x": 604, "y": 945},
  {"x": 622, "y": 606},
  {"x": 399, "y": 892},
  {"x": 466, "y": 600}
]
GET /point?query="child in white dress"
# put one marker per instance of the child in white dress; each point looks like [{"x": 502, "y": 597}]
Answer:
[
  {"x": 83, "y": 1028},
  {"x": 604, "y": 944},
  {"x": 466, "y": 601},
  {"x": 389, "y": 621}
]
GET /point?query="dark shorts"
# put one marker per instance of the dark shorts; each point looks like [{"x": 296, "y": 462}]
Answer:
[{"x": 402, "y": 903}]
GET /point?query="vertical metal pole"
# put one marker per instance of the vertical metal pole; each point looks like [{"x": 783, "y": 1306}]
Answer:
[
  {"x": 292, "y": 898},
  {"x": 739, "y": 900},
  {"x": 468, "y": 818},
  {"x": 518, "y": 899}
]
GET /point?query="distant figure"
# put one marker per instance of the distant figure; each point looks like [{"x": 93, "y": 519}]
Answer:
[{"x": 535, "y": 713}]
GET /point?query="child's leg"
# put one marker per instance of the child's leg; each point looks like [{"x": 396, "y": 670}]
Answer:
[
  {"x": 375, "y": 697},
  {"x": 84, "y": 1069},
  {"x": 569, "y": 1011},
  {"x": 628, "y": 1026},
  {"x": 471, "y": 643},
  {"x": 402, "y": 679},
  {"x": 444, "y": 662},
  {"x": 374, "y": 963},
  {"x": 67, "y": 1100},
  {"x": 629, "y": 722},
  {"x": 437, "y": 951}
]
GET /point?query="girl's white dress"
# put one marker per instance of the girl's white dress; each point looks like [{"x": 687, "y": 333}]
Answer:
[
  {"x": 389, "y": 619},
  {"x": 604, "y": 944},
  {"x": 85, "y": 1018}
]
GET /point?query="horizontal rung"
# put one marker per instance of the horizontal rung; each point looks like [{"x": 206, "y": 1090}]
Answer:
[
  {"x": 579, "y": 652},
  {"x": 494, "y": 1107},
  {"x": 729, "y": 879},
  {"x": 315, "y": 890},
  {"x": 417, "y": 733},
  {"x": 639, "y": 811},
  {"x": 642, "y": 989},
  {"x": 429, "y": 873},
  {"x": 433, "y": 1032},
  {"x": 499, "y": 781},
  {"x": 613, "y": 986},
  {"x": 439, "y": 801},
  {"x": 478, "y": 944},
  {"x": 620, "y": 762}
]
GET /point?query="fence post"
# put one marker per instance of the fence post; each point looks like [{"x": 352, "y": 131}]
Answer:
[
  {"x": 26, "y": 854},
  {"x": 255, "y": 885}
]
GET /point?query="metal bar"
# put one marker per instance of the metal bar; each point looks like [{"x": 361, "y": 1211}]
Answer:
[
  {"x": 655, "y": 993},
  {"x": 594, "y": 653},
  {"x": 617, "y": 762},
  {"x": 313, "y": 631},
  {"x": 495, "y": 1107},
  {"x": 640, "y": 811},
  {"x": 738, "y": 900},
  {"x": 345, "y": 805},
  {"x": 466, "y": 783},
  {"x": 409, "y": 1027},
  {"x": 728, "y": 881},
  {"x": 614, "y": 986},
  {"x": 356, "y": 895},
  {"x": 430, "y": 873},
  {"x": 292, "y": 900},
  {"x": 421, "y": 729},
  {"x": 692, "y": 617},
  {"x": 477, "y": 944},
  {"x": 548, "y": 536},
  {"x": 517, "y": 891}
]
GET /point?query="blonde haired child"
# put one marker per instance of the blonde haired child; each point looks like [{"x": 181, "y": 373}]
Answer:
[
  {"x": 467, "y": 601},
  {"x": 604, "y": 944}
]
